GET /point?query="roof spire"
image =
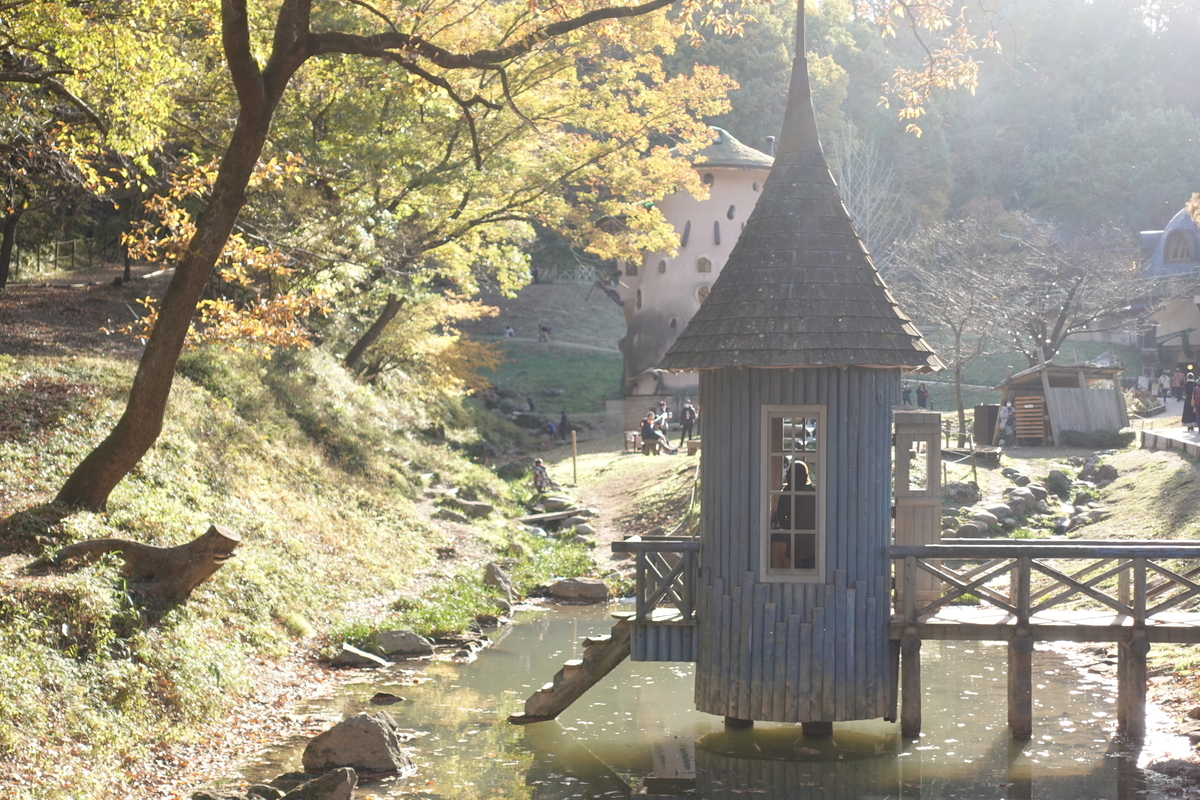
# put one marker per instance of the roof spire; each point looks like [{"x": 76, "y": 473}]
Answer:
[{"x": 799, "y": 288}]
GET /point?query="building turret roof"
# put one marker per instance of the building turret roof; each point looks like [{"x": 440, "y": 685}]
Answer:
[
  {"x": 727, "y": 151},
  {"x": 799, "y": 288}
]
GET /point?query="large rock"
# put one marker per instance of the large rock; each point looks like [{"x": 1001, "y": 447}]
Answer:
[
  {"x": 571, "y": 522},
  {"x": 962, "y": 493},
  {"x": 353, "y": 657},
  {"x": 476, "y": 509},
  {"x": 497, "y": 578},
  {"x": 450, "y": 515},
  {"x": 1058, "y": 483},
  {"x": 585, "y": 530},
  {"x": 217, "y": 794},
  {"x": 999, "y": 510},
  {"x": 404, "y": 644},
  {"x": 1021, "y": 480},
  {"x": 592, "y": 590},
  {"x": 1039, "y": 491},
  {"x": 986, "y": 519},
  {"x": 970, "y": 530},
  {"x": 337, "y": 784},
  {"x": 367, "y": 742},
  {"x": 1106, "y": 473},
  {"x": 556, "y": 503}
]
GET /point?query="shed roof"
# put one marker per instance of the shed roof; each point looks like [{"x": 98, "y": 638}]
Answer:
[
  {"x": 799, "y": 288},
  {"x": 1060, "y": 376},
  {"x": 727, "y": 151}
]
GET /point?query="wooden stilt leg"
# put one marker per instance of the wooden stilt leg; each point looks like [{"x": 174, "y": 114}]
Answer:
[
  {"x": 910, "y": 689},
  {"x": 1131, "y": 687},
  {"x": 1020, "y": 686}
]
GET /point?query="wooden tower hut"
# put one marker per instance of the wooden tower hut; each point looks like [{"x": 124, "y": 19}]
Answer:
[{"x": 800, "y": 347}]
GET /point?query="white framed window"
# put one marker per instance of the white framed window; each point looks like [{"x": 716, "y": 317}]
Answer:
[{"x": 793, "y": 495}]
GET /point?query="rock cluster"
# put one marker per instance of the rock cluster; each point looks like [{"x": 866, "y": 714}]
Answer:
[
  {"x": 364, "y": 744},
  {"x": 1027, "y": 498}
]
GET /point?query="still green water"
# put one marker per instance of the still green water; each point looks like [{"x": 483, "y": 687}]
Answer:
[{"x": 638, "y": 734}]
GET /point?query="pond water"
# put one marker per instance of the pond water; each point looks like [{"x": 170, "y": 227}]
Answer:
[{"x": 637, "y": 732}]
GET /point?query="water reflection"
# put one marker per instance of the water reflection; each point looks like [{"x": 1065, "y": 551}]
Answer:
[{"x": 637, "y": 733}]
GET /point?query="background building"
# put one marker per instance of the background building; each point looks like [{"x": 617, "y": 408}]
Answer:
[{"x": 662, "y": 292}]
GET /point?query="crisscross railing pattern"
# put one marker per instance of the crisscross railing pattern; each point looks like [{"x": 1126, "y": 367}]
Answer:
[
  {"x": 666, "y": 574},
  {"x": 1137, "y": 580}
]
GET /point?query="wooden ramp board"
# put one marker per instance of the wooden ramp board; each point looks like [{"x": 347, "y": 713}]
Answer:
[{"x": 577, "y": 676}]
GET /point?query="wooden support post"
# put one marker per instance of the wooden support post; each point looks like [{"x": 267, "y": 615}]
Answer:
[
  {"x": 1131, "y": 664},
  {"x": 1131, "y": 687},
  {"x": 1020, "y": 657},
  {"x": 1020, "y": 686},
  {"x": 574, "y": 455},
  {"x": 1049, "y": 407},
  {"x": 910, "y": 680}
]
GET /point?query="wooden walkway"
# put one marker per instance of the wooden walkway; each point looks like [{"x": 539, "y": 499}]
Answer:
[
  {"x": 1133, "y": 593},
  {"x": 1179, "y": 439}
]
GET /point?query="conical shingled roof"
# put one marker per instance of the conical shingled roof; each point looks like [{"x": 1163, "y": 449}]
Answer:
[{"x": 799, "y": 288}]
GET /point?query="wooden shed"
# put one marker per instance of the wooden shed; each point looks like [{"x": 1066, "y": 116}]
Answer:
[
  {"x": 1050, "y": 399},
  {"x": 800, "y": 347}
]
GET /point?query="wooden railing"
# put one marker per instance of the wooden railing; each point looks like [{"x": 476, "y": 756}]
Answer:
[
  {"x": 1138, "y": 582},
  {"x": 666, "y": 575}
]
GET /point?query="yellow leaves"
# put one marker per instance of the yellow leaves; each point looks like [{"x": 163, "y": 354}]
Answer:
[
  {"x": 1193, "y": 207},
  {"x": 258, "y": 326}
]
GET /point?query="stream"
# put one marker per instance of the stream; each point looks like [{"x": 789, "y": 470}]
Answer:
[{"x": 637, "y": 731}]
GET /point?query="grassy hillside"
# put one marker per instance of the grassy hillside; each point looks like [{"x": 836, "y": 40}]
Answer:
[
  {"x": 324, "y": 480},
  {"x": 581, "y": 359},
  {"x": 577, "y": 313}
]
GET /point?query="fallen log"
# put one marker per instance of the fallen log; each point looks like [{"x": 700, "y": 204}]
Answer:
[{"x": 162, "y": 573}]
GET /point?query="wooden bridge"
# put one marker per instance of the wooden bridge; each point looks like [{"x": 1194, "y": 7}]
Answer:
[{"x": 1135, "y": 594}]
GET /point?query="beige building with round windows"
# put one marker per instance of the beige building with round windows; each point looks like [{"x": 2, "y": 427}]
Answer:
[{"x": 662, "y": 292}]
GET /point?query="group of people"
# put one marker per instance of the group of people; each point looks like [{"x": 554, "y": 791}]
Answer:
[
  {"x": 657, "y": 423},
  {"x": 906, "y": 393}
]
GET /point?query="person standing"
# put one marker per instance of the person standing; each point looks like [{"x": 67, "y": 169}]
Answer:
[
  {"x": 564, "y": 426},
  {"x": 922, "y": 396},
  {"x": 687, "y": 421},
  {"x": 1164, "y": 385},
  {"x": 1189, "y": 409},
  {"x": 906, "y": 394},
  {"x": 1008, "y": 424},
  {"x": 1177, "y": 383}
]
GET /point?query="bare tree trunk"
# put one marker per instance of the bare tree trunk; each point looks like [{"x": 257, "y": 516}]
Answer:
[
  {"x": 8, "y": 238},
  {"x": 958, "y": 402},
  {"x": 390, "y": 309},
  {"x": 162, "y": 573}
]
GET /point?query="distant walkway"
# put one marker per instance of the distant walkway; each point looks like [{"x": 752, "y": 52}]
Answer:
[{"x": 559, "y": 342}]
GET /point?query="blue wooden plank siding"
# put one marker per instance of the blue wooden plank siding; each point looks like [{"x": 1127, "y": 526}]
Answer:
[{"x": 796, "y": 652}]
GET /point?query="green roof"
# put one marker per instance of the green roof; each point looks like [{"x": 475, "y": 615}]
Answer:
[{"x": 726, "y": 151}]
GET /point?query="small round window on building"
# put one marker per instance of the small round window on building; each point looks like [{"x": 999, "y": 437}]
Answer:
[
  {"x": 639, "y": 298},
  {"x": 674, "y": 322},
  {"x": 755, "y": 186},
  {"x": 708, "y": 179},
  {"x": 631, "y": 269},
  {"x": 702, "y": 293},
  {"x": 703, "y": 265},
  {"x": 662, "y": 266},
  {"x": 730, "y": 213}
]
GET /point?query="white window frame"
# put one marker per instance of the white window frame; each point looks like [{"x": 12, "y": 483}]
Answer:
[{"x": 766, "y": 573}]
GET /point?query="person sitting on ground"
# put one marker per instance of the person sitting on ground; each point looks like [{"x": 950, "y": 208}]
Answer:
[{"x": 541, "y": 478}]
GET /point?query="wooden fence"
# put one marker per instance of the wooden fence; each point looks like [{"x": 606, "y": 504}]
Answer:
[
  {"x": 71, "y": 255},
  {"x": 1132, "y": 593},
  {"x": 663, "y": 623}
]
